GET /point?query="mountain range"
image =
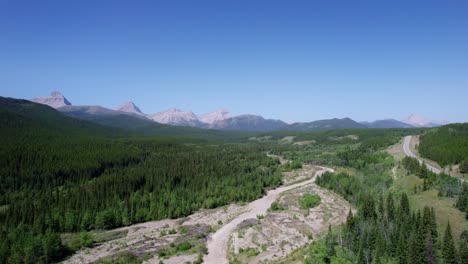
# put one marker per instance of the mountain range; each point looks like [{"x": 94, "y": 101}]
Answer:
[{"x": 220, "y": 119}]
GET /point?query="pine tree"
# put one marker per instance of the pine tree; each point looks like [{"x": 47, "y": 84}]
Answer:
[
  {"x": 404, "y": 206},
  {"x": 330, "y": 243},
  {"x": 390, "y": 207},
  {"x": 464, "y": 253},
  {"x": 381, "y": 207},
  {"x": 448, "y": 248},
  {"x": 430, "y": 255},
  {"x": 402, "y": 249},
  {"x": 416, "y": 247}
]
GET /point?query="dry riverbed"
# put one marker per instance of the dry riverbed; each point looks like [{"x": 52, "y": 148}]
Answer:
[{"x": 276, "y": 234}]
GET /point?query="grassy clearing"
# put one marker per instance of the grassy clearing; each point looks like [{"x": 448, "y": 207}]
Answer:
[
  {"x": 397, "y": 151},
  {"x": 444, "y": 209},
  {"x": 443, "y": 206},
  {"x": 407, "y": 184}
]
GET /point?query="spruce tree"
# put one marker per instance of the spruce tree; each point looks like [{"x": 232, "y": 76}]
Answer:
[
  {"x": 390, "y": 206},
  {"x": 464, "y": 253},
  {"x": 430, "y": 255},
  {"x": 448, "y": 248},
  {"x": 404, "y": 211},
  {"x": 402, "y": 249}
]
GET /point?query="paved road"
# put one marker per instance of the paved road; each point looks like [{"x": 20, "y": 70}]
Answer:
[
  {"x": 217, "y": 244},
  {"x": 408, "y": 152}
]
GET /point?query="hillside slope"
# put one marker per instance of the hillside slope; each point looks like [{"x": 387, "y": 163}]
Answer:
[
  {"x": 446, "y": 144},
  {"x": 326, "y": 124}
]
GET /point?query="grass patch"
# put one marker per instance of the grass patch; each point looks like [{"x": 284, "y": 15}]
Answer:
[
  {"x": 249, "y": 252},
  {"x": 407, "y": 183},
  {"x": 309, "y": 201},
  {"x": 444, "y": 209},
  {"x": 443, "y": 206},
  {"x": 122, "y": 258},
  {"x": 175, "y": 249}
]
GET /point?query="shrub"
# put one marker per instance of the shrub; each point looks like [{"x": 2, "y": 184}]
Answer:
[
  {"x": 184, "y": 246},
  {"x": 309, "y": 201},
  {"x": 275, "y": 206}
]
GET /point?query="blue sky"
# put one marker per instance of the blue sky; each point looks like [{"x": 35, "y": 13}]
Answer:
[{"x": 291, "y": 60}]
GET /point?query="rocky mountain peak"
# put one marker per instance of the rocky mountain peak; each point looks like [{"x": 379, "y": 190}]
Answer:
[
  {"x": 218, "y": 115},
  {"x": 55, "y": 100},
  {"x": 130, "y": 107}
]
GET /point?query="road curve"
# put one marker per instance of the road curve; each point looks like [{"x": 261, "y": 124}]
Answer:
[
  {"x": 218, "y": 242},
  {"x": 407, "y": 150}
]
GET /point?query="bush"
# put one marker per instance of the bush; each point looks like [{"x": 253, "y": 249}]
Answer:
[
  {"x": 464, "y": 167},
  {"x": 184, "y": 246},
  {"x": 86, "y": 239},
  {"x": 292, "y": 166},
  {"x": 309, "y": 201},
  {"x": 275, "y": 206}
]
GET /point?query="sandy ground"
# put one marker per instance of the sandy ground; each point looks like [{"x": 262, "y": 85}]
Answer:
[
  {"x": 296, "y": 176},
  {"x": 303, "y": 143},
  {"x": 218, "y": 243},
  {"x": 145, "y": 238}
]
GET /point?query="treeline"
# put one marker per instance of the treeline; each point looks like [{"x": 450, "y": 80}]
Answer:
[
  {"x": 446, "y": 145},
  {"x": 342, "y": 136}
]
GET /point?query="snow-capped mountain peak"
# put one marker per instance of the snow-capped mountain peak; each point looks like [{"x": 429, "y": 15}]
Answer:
[
  {"x": 130, "y": 107},
  {"x": 419, "y": 121},
  {"x": 174, "y": 116},
  {"x": 55, "y": 100},
  {"x": 215, "y": 116}
]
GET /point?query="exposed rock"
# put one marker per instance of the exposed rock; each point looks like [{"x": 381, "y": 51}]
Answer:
[{"x": 55, "y": 100}]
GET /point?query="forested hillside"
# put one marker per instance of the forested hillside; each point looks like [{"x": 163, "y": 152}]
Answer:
[
  {"x": 386, "y": 228},
  {"x": 60, "y": 174},
  {"x": 446, "y": 144}
]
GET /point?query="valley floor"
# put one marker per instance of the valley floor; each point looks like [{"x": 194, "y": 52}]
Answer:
[{"x": 232, "y": 231}]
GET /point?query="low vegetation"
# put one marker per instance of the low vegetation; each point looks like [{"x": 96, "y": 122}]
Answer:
[
  {"x": 309, "y": 201},
  {"x": 275, "y": 206}
]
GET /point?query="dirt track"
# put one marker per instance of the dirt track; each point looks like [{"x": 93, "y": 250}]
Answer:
[{"x": 218, "y": 242}]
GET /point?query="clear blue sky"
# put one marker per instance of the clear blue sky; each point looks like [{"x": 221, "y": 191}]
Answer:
[{"x": 291, "y": 60}]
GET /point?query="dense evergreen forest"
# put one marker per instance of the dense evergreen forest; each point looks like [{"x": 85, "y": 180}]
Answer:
[
  {"x": 59, "y": 175},
  {"x": 446, "y": 145}
]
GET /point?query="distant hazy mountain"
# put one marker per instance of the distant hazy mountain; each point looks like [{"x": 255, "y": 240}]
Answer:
[
  {"x": 215, "y": 116},
  {"x": 219, "y": 119},
  {"x": 386, "y": 123},
  {"x": 130, "y": 107},
  {"x": 248, "y": 123},
  {"x": 326, "y": 124},
  {"x": 419, "y": 121},
  {"x": 55, "y": 100},
  {"x": 177, "y": 117},
  {"x": 85, "y": 111}
]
